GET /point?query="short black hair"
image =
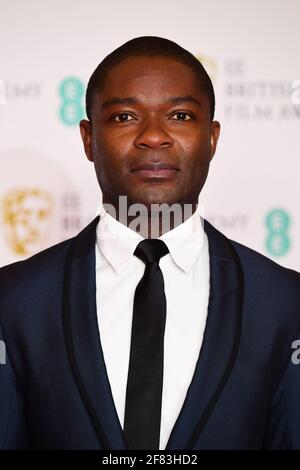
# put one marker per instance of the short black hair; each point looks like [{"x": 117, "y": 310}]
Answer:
[{"x": 149, "y": 46}]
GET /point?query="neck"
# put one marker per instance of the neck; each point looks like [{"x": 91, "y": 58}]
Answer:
[{"x": 152, "y": 221}]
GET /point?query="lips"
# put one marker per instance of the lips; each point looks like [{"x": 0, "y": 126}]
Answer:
[
  {"x": 155, "y": 170},
  {"x": 154, "y": 166}
]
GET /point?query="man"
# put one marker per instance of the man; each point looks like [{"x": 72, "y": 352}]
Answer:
[{"x": 118, "y": 339}]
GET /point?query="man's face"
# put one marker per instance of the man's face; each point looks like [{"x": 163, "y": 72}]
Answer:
[{"x": 151, "y": 127}]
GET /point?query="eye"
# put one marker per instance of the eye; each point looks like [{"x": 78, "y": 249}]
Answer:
[
  {"x": 181, "y": 113},
  {"x": 122, "y": 115}
]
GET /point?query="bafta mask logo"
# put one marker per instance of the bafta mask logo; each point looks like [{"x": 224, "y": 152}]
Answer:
[{"x": 26, "y": 217}]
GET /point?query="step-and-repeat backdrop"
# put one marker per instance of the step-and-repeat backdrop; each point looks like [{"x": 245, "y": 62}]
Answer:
[{"x": 48, "y": 50}]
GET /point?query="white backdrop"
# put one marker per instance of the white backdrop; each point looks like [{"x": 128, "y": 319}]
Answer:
[{"x": 48, "y": 50}]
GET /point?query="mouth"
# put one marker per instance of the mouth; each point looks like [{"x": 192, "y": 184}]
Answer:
[
  {"x": 155, "y": 171},
  {"x": 155, "y": 174}
]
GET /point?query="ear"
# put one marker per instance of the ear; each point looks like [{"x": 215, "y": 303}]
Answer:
[
  {"x": 215, "y": 129},
  {"x": 86, "y": 135}
]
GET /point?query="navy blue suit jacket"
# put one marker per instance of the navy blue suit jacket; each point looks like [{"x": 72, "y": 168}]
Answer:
[{"x": 54, "y": 388}]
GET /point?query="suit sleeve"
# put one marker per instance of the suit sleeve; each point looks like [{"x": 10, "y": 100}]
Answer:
[
  {"x": 291, "y": 399},
  {"x": 283, "y": 423},
  {"x": 13, "y": 427}
]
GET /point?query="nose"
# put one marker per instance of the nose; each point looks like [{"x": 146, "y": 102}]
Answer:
[{"x": 153, "y": 136}]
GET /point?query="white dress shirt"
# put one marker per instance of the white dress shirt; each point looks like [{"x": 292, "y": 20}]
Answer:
[{"x": 186, "y": 275}]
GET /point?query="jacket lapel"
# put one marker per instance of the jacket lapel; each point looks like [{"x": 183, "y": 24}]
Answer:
[
  {"x": 220, "y": 342},
  {"x": 216, "y": 358},
  {"x": 83, "y": 340}
]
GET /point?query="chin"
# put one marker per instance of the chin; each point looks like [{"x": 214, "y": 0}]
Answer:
[{"x": 155, "y": 196}]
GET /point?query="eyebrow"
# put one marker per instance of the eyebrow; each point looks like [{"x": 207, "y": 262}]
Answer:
[{"x": 131, "y": 100}]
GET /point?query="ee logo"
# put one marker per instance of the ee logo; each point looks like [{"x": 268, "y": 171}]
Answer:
[
  {"x": 71, "y": 110},
  {"x": 278, "y": 240}
]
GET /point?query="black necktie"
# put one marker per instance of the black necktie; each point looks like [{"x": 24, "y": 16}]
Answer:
[{"x": 145, "y": 372}]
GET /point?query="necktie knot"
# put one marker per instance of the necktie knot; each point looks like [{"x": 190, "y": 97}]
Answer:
[{"x": 151, "y": 250}]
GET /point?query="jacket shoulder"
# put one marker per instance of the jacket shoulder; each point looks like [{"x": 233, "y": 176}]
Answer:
[
  {"x": 49, "y": 259},
  {"x": 46, "y": 262},
  {"x": 43, "y": 272},
  {"x": 32, "y": 286},
  {"x": 263, "y": 269},
  {"x": 262, "y": 275}
]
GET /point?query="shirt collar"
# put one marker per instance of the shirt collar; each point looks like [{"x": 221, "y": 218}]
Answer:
[{"x": 117, "y": 242}]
